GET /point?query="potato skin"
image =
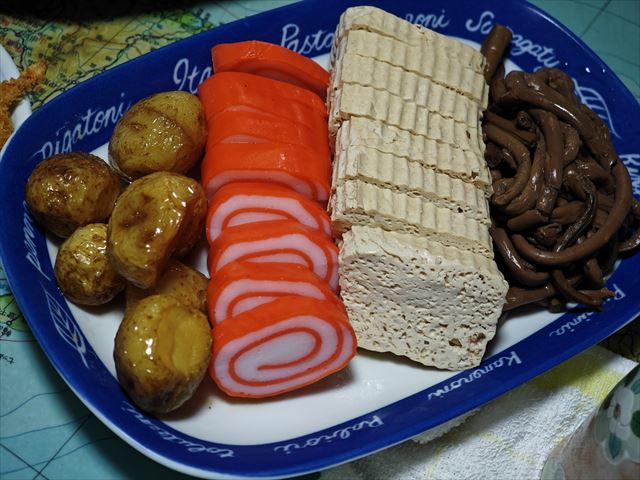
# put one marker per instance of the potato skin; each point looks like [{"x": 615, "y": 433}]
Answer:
[
  {"x": 69, "y": 190},
  {"x": 161, "y": 352},
  {"x": 83, "y": 270},
  {"x": 163, "y": 132},
  {"x": 156, "y": 217},
  {"x": 180, "y": 281}
]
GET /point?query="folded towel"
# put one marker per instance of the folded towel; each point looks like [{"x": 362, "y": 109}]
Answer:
[{"x": 510, "y": 437}]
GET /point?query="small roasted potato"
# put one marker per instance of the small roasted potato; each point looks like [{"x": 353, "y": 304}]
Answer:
[
  {"x": 69, "y": 190},
  {"x": 83, "y": 270},
  {"x": 156, "y": 217},
  {"x": 162, "y": 352},
  {"x": 164, "y": 132},
  {"x": 180, "y": 281}
]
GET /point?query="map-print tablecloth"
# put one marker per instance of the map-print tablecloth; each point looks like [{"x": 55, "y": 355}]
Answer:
[{"x": 45, "y": 431}]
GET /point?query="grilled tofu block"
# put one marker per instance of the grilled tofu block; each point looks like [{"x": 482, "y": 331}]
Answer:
[{"x": 415, "y": 297}]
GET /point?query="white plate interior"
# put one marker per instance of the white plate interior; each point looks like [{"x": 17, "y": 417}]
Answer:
[{"x": 371, "y": 381}]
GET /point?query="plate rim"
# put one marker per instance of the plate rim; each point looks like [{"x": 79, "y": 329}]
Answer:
[{"x": 364, "y": 451}]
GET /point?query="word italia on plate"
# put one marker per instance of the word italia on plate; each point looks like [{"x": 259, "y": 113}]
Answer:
[{"x": 187, "y": 77}]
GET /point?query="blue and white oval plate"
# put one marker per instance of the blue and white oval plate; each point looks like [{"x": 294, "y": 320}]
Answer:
[{"x": 379, "y": 400}]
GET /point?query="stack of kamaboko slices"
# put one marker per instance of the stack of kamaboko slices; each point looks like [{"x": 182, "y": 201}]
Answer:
[
  {"x": 409, "y": 191},
  {"x": 277, "y": 322}
]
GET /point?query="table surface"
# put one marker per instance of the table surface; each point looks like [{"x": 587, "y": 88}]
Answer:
[{"x": 45, "y": 431}]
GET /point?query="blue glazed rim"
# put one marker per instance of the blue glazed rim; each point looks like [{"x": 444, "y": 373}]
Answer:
[{"x": 73, "y": 118}]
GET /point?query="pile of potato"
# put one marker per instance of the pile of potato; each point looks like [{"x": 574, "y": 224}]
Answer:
[{"x": 129, "y": 238}]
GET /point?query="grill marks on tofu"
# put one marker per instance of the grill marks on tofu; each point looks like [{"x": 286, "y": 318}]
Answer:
[{"x": 409, "y": 191}]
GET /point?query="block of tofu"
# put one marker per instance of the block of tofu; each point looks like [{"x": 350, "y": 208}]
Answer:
[
  {"x": 359, "y": 101},
  {"x": 430, "y": 63},
  {"x": 414, "y": 297},
  {"x": 406, "y": 86},
  {"x": 441, "y": 157},
  {"x": 414, "y": 179},
  {"x": 375, "y": 20},
  {"x": 355, "y": 202}
]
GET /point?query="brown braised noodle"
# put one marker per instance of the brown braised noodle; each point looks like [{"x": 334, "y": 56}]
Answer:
[{"x": 562, "y": 209}]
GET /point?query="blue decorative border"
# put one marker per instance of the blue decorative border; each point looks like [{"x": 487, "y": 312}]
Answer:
[{"x": 82, "y": 119}]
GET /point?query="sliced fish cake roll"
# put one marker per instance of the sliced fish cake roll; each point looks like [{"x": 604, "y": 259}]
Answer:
[
  {"x": 301, "y": 169},
  {"x": 242, "y": 92},
  {"x": 251, "y": 202},
  {"x": 285, "y": 241},
  {"x": 358, "y": 203},
  {"x": 280, "y": 346},
  {"x": 252, "y": 127},
  {"x": 376, "y": 20},
  {"x": 242, "y": 286},
  {"x": 265, "y": 86},
  {"x": 271, "y": 61}
]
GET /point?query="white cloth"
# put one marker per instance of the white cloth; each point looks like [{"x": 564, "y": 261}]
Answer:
[{"x": 510, "y": 437}]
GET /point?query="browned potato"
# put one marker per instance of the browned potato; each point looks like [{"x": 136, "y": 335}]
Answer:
[
  {"x": 162, "y": 352},
  {"x": 83, "y": 270},
  {"x": 70, "y": 190},
  {"x": 180, "y": 281},
  {"x": 156, "y": 217},
  {"x": 166, "y": 131}
]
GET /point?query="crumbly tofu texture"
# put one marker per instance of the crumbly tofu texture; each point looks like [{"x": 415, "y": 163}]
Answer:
[{"x": 414, "y": 297}]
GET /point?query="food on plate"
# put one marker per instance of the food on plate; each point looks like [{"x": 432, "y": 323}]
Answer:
[
  {"x": 277, "y": 241},
  {"x": 416, "y": 297},
  {"x": 367, "y": 78},
  {"x": 266, "y": 168},
  {"x": 157, "y": 217},
  {"x": 249, "y": 202},
  {"x": 563, "y": 207},
  {"x": 161, "y": 352},
  {"x": 256, "y": 127},
  {"x": 356, "y": 202},
  {"x": 432, "y": 154},
  {"x": 178, "y": 280},
  {"x": 358, "y": 101},
  {"x": 409, "y": 192},
  {"x": 12, "y": 91},
  {"x": 83, "y": 270},
  {"x": 433, "y": 63},
  {"x": 237, "y": 92},
  {"x": 69, "y": 190},
  {"x": 371, "y": 19},
  {"x": 165, "y": 131},
  {"x": 271, "y": 61},
  {"x": 242, "y": 286},
  {"x": 302, "y": 169},
  {"x": 360, "y": 163},
  {"x": 280, "y": 346}
]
